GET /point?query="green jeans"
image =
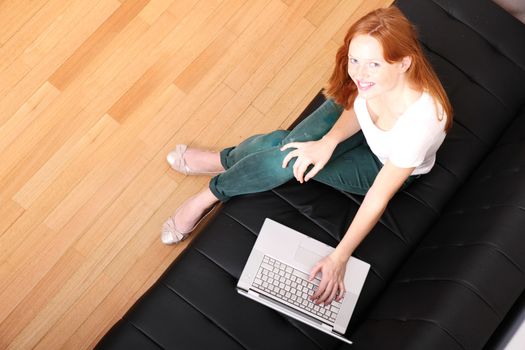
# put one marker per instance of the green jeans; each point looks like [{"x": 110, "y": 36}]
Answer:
[{"x": 255, "y": 165}]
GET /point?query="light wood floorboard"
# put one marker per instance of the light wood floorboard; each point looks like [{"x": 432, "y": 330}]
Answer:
[{"x": 93, "y": 95}]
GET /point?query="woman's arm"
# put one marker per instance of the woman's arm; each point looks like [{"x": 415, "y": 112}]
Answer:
[
  {"x": 318, "y": 153},
  {"x": 332, "y": 268},
  {"x": 346, "y": 126}
]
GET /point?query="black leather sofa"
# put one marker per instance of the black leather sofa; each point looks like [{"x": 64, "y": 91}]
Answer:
[{"x": 448, "y": 256}]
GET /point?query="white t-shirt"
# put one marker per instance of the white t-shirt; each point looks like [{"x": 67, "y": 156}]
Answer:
[{"x": 413, "y": 140}]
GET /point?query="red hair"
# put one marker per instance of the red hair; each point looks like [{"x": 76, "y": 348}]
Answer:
[{"x": 398, "y": 38}]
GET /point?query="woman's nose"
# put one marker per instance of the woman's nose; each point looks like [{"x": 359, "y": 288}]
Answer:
[{"x": 361, "y": 72}]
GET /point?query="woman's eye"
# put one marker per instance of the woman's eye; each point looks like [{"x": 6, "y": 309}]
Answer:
[
  {"x": 374, "y": 65},
  {"x": 353, "y": 61}
]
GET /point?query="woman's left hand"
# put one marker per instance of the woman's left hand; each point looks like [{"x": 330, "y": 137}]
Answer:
[
  {"x": 315, "y": 153},
  {"x": 332, "y": 285}
]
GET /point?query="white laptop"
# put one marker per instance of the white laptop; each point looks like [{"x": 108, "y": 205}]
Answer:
[{"x": 277, "y": 273}]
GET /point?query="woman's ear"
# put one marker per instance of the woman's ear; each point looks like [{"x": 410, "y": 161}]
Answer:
[{"x": 406, "y": 62}]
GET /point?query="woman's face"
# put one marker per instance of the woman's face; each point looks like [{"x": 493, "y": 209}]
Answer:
[{"x": 368, "y": 69}]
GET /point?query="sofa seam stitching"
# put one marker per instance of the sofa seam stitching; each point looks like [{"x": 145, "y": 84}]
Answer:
[
  {"x": 434, "y": 323},
  {"x": 239, "y": 222},
  {"x": 144, "y": 334},
  {"x": 203, "y": 314},
  {"x": 462, "y": 283},
  {"x": 382, "y": 221},
  {"x": 493, "y": 247},
  {"x": 233, "y": 277}
]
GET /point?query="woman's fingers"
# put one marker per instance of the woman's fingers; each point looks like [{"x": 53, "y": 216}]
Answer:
[
  {"x": 287, "y": 158},
  {"x": 324, "y": 298},
  {"x": 331, "y": 286},
  {"x": 300, "y": 167},
  {"x": 333, "y": 295},
  {"x": 316, "y": 269},
  {"x": 329, "y": 291},
  {"x": 290, "y": 145},
  {"x": 321, "y": 289},
  {"x": 305, "y": 158},
  {"x": 342, "y": 291},
  {"x": 317, "y": 167},
  {"x": 292, "y": 154},
  {"x": 318, "y": 290}
]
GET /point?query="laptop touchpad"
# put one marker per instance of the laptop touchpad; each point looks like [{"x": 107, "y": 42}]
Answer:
[{"x": 307, "y": 257}]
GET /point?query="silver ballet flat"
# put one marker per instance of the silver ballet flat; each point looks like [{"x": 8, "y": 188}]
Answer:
[
  {"x": 177, "y": 162},
  {"x": 170, "y": 234}
]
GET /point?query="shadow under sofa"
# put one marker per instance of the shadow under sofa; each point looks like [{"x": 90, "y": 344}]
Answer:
[{"x": 447, "y": 257}]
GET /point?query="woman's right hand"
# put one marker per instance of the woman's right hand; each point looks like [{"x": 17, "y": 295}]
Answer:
[{"x": 316, "y": 153}]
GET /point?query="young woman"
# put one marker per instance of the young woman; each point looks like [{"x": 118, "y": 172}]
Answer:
[{"x": 385, "y": 116}]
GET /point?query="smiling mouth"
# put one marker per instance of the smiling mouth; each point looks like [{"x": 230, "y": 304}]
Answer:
[{"x": 364, "y": 85}]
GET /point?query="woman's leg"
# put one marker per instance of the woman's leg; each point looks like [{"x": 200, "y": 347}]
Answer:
[
  {"x": 253, "y": 169},
  {"x": 255, "y": 165},
  {"x": 230, "y": 156},
  {"x": 313, "y": 127},
  {"x": 352, "y": 171},
  {"x": 353, "y": 168}
]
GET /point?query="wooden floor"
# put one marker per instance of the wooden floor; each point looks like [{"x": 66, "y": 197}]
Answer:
[{"x": 93, "y": 94}]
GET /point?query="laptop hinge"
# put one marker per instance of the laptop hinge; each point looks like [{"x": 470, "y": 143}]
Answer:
[
  {"x": 327, "y": 327},
  {"x": 252, "y": 292},
  {"x": 341, "y": 334}
]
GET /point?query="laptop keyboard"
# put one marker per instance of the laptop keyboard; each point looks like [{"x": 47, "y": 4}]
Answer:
[{"x": 292, "y": 287}]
